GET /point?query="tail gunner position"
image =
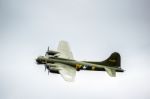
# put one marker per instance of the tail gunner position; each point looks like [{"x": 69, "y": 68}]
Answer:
[{"x": 62, "y": 62}]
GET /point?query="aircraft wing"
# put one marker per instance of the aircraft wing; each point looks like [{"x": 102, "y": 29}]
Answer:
[
  {"x": 67, "y": 72},
  {"x": 64, "y": 50}
]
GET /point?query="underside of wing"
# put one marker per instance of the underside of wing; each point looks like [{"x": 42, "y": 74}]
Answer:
[
  {"x": 67, "y": 72},
  {"x": 64, "y": 50}
]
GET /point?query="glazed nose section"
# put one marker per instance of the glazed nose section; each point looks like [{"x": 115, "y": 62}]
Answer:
[{"x": 39, "y": 60}]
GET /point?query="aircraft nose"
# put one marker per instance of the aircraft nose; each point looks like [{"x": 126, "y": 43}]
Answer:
[{"x": 38, "y": 60}]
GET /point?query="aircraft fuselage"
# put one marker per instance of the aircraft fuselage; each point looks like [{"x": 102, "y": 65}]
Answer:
[{"x": 79, "y": 65}]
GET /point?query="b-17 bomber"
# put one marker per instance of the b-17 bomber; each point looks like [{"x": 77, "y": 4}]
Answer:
[{"x": 62, "y": 62}]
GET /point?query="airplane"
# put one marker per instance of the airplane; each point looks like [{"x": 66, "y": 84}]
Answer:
[{"x": 62, "y": 62}]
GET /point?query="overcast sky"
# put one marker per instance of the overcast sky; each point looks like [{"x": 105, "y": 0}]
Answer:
[{"x": 93, "y": 28}]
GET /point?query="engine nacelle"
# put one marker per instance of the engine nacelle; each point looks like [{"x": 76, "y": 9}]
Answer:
[
  {"x": 51, "y": 52},
  {"x": 52, "y": 68}
]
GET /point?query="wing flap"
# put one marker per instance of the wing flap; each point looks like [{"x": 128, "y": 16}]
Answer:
[{"x": 67, "y": 72}]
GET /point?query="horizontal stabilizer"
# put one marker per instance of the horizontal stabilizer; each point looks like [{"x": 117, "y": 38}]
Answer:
[{"x": 111, "y": 72}]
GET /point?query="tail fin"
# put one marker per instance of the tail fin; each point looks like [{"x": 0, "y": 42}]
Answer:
[{"x": 113, "y": 60}]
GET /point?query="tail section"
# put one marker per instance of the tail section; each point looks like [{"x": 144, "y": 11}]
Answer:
[
  {"x": 111, "y": 72},
  {"x": 113, "y": 61},
  {"x": 112, "y": 64}
]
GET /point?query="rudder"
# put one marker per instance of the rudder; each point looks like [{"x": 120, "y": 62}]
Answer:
[{"x": 114, "y": 60}]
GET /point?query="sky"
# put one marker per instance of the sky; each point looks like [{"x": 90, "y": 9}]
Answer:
[{"x": 94, "y": 30}]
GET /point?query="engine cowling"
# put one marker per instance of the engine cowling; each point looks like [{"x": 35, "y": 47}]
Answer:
[
  {"x": 52, "y": 68},
  {"x": 51, "y": 52}
]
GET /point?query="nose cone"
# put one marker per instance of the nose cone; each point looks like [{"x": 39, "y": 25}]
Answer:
[{"x": 39, "y": 60}]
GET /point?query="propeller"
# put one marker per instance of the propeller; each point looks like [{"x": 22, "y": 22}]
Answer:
[
  {"x": 47, "y": 51},
  {"x": 48, "y": 72},
  {"x": 45, "y": 68}
]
